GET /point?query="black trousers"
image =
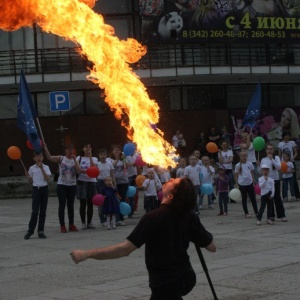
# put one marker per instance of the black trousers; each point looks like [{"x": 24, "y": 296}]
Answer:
[{"x": 175, "y": 290}]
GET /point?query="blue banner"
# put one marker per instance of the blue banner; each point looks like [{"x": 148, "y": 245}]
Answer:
[
  {"x": 26, "y": 114},
  {"x": 253, "y": 110}
]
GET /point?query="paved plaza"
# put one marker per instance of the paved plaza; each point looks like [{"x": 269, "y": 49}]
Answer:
[{"x": 251, "y": 262}]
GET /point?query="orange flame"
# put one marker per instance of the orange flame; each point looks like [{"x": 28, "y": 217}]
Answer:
[{"x": 125, "y": 94}]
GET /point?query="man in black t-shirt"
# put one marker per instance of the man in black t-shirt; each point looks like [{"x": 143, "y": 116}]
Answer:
[{"x": 166, "y": 233}]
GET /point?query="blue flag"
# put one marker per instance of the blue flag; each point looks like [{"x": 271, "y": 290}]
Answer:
[
  {"x": 26, "y": 114},
  {"x": 253, "y": 110}
]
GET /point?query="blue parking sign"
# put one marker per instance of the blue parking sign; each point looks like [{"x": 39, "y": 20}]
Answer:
[{"x": 59, "y": 101}]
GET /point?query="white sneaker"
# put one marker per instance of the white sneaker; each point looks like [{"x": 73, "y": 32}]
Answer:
[
  {"x": 108, "y": 227},
  {"x": 91, "y": 226},
  {"x": 83, "y": 226},
  {"x": 269, "y": 222},
  {"x": 121, "y": 223},
  {"x": 258, "y": 223},
  {"x": 201, "y": 207}
]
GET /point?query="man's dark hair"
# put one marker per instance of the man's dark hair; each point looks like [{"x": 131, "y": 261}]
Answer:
[{"x": 184, "y": 197}]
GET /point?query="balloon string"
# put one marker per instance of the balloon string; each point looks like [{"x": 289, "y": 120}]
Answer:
[{"x": 22, "y": 164}]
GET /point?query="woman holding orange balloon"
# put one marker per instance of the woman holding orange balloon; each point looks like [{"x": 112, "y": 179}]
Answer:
[{"x": 273, "y": 161}]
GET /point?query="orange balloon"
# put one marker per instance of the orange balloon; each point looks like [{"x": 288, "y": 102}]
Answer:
[
  {"x": 14, "y": 152},
  {"x": 139, "y": 180},
  {"x": 284, "y": 167},
  {"x": 211, "y": 147}
]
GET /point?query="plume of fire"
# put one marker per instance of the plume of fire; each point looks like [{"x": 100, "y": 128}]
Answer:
[{"x": 125, "y": 94}]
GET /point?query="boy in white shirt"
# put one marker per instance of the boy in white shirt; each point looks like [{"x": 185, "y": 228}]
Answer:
[
  {"x": 38, "y": 176},
  {"x": 266, "y": 185}
]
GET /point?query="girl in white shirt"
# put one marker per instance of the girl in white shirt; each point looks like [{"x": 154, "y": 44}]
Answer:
[
  {"x": 274, "y": 164},
  {"x": 245, "y": 178}
]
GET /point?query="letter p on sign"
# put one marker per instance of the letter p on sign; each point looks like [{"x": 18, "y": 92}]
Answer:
[{"x": 59, "y": 101}]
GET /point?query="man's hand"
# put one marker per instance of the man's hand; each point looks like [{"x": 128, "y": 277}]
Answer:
[{"x": 78, "y": 256}]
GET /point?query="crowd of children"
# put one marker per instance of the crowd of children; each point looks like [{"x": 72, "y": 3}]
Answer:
[{"x": 118, "y": 172}]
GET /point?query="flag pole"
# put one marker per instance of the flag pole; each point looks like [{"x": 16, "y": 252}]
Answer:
[
  {"x": 22, "y": 164},
  {"x": 201, "y": 257},
  {"x": 40, "y": 129}
]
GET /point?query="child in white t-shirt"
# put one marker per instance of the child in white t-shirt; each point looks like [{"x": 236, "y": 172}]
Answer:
[
  {"x": 244, "y": 176},
  {"x": 208, "y": 172},
  {"x": 181, "y": 168},
  {"x": 267, "y": 187},
  {"x": 38, "y": 176},
  {"x": 151, "y": 186}
]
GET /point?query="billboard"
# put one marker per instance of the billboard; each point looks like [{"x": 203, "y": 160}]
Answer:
[
  {"x": 271, "y": 125},
  {"x": 271, "y": 21}
]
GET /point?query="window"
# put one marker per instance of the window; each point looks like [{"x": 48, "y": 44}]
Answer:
[
  {"x": 95, "y": 103},
  {"x": 113, "y": 6},
  {"x": 282, "y": 95},
  {"x": 8, "y": 106}
]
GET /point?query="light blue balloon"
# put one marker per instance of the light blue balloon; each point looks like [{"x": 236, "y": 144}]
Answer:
[
  {"x": 130, "y": 191},
  {"x": 207, "y": 189},
  {"x": 128, "y": 149},
  {"x": 125, "y": 209}
]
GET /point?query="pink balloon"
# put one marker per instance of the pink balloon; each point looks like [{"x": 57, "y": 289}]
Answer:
[
  {"x": 98, "y": 199},
  {"x": 139, "y": 161},
  {"x": 257, "y": 189},
  {"x": 160, "y": 195}
]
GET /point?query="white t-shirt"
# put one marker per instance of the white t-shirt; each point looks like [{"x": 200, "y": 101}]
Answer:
[
  {"x": 251, "y": 154},
  {"x": 105, "y": 169},
  {"x": 287, "y": 148},
  {"x": 67, "y": 172},
  {"x": 266, "y": 185},
  {"x": 154, "y": 186},
  {"x": 226, "y": 156},
  {"x": 180, "y": 173},
  {"x": 245, "y": 177},
  {"x": 37, "y": 176},
  {"x": 270, "y": 163},
  {"x": 192, "y": 172},
  {"x": 131, "y": 170},
  {"x": 290, "y": 167},
  {"x": 85, "y": 163},
  {"x": 120, "y": 172},
  {"x": 207, "y": 177}
]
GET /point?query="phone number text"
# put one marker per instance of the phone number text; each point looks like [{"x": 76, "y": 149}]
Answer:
[{"x": 232, "y": 34}]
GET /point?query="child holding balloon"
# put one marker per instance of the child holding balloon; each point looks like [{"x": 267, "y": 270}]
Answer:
[
  {"x": 111, "y": 203},
  {"x": 208, "y": 172},
  {"x": 222, "y": 189},
  {"x": 38, "y": 176},
  {"x": 244, "y": 176}
]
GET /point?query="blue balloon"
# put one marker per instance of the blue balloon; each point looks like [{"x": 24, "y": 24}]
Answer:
[
  {"x": 125, "y": 209},
  {"x": 128, "y": 149},
  {"x": 206, "y": 189},
  {"x": 130, "y": 191}
]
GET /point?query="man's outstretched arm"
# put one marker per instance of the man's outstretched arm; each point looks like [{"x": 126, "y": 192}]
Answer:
[{"x": 111, "y": 252}]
